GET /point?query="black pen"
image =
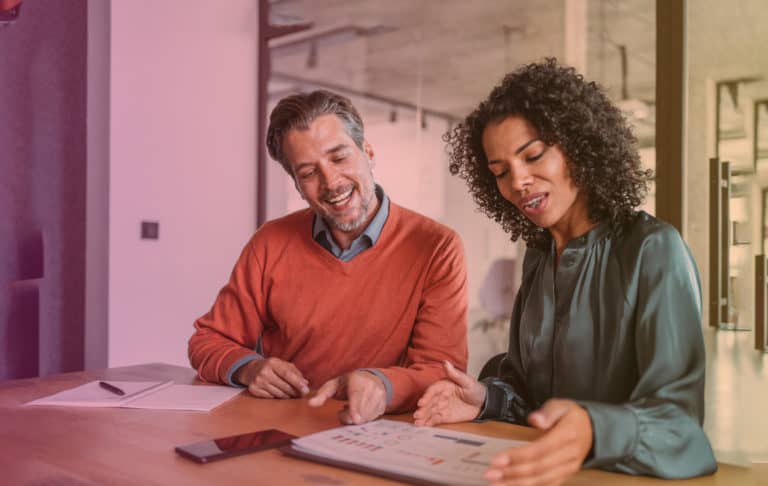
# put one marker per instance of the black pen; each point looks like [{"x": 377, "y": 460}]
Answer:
[{"x": 111, "y": 388}]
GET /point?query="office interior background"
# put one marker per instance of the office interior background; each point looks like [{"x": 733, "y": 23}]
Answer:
[{"x": 133, "y": 170}]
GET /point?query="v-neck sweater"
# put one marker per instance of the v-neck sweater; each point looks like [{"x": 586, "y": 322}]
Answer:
[{"x": 399, "y": 307}]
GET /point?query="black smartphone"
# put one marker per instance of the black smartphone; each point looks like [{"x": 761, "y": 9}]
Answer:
[{"x": 215, "y": 449}]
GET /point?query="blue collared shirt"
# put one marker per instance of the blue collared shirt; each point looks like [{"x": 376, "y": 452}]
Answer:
[{"x": 322, "y": 233}]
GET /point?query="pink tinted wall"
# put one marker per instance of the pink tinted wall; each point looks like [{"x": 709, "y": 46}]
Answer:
[
  {"x": 42, "y": 189},
  {"x": 182, "y": 135}
]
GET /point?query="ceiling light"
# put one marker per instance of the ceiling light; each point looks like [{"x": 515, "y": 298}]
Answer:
[{"x": 312, "y": 55}]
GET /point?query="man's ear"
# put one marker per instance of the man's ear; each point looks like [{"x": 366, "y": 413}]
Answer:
[
  {"x": 368, "y": 149},
  {"x": 296, "y": 185}
]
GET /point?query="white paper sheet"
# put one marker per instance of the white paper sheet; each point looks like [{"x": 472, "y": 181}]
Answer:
[{"x": 156, "y": 395}]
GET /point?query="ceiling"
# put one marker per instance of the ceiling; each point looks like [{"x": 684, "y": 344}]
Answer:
[{"x": 446, "y": 55}]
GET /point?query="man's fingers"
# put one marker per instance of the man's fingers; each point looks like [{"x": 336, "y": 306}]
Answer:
[
  {"x": 266, "y": 390},
  {"x": 355, "y": 408},
  {"x": 259, "y": 392},
  {"x": 275, "y": 378},
  {"x": 271, "y": 378},
  {"x": 366, "y": 395},
  {"x": 344, "y": 416},
  {"x": 325, "y": 392},
  {"x": 268, "y": 380},
  {"x": 293, "y": 377},
  {"x": 276, "y": 391}
]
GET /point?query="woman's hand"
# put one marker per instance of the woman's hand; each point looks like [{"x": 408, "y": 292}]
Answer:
[
  {"x": 457, "y": 399},
  {"x": 552, "y": 458}
]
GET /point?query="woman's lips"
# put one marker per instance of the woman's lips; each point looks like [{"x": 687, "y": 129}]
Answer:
[{"x": 534, "y": 204}]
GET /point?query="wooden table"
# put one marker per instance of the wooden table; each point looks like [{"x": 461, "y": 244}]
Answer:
[{"x": 84, "y": 446}]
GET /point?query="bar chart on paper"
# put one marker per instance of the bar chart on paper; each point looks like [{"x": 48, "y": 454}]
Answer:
[{"x": 390, "y": 447}]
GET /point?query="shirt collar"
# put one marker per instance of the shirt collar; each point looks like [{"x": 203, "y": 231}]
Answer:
[{"x": 587, "y": 239}]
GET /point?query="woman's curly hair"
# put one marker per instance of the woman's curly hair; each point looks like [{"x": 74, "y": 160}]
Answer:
[{"x": 565, "y": 110}]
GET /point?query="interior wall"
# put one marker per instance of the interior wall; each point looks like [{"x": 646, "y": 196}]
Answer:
[
  {"x": 42, "y": 189},
  {"x": 182, "y": 151}
]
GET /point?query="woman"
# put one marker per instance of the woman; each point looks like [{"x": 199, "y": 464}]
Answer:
[{"x": 606, "y": 354}]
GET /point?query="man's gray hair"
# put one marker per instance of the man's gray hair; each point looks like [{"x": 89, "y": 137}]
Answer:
[{"x": 300, "y": 110}]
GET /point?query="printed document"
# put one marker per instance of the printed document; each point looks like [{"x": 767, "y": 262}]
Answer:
[{"x": 427, "y": 455}]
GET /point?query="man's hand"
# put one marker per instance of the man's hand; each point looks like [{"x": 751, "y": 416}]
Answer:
[
  {"x": 272, "y": 378},
  {"x": 457, "y": 399},
  {"x": 552, "y": 458},
  {"x": 365, "y": 394}
]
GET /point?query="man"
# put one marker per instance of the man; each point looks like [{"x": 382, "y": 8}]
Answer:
[{"x": 355, "y": 296}]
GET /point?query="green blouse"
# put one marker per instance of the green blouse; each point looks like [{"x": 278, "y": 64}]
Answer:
[{"x": 616, "y": 328}]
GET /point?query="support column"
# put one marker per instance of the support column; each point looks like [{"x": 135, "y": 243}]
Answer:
[
  {"x": 576, "y": 35},
  {"x": 671, "y": 75}
]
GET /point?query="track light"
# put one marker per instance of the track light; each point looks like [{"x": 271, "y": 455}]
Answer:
[{"x": 312, "y": 56}]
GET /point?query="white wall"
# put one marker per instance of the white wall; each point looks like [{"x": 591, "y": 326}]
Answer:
[{"x": 182, "y": 151}]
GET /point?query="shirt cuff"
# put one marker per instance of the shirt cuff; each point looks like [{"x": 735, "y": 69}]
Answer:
[
  {"x": 384, "y": 379},
  {"x": 494, "y": 402},
  {"x": 503, "y": 403},
  {"x": 615, "y": 432},
  {"x": 239, "y": 364}
]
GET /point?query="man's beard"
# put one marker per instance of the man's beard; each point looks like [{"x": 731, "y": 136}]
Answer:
[{"x": 355, "y": 224}]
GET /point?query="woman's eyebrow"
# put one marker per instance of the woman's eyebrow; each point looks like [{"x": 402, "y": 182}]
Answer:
[
  {"x": 526, "y": 144},
  {"x": 520, "y": 149}
]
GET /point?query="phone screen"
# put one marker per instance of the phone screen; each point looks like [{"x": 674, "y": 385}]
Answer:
[{"x": 211, "y": 450}]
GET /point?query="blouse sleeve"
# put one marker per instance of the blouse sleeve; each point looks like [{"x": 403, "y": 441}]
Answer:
[
  {"x": 506, "y": 397},
  {"x": 658, "y": 431}
]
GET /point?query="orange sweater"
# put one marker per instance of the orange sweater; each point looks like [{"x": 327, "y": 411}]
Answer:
[{"x": 400, "y": 306}]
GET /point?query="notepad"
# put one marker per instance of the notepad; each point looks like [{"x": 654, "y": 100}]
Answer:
[{"x": 156, "y": 395}]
